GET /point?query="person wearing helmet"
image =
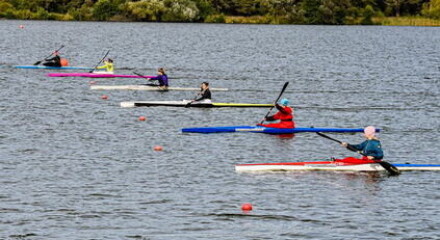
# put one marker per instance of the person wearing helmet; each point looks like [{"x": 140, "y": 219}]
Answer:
[
  {"x": 55, "y": 61},
  {"x": 162, "y": 79},
  {"x": 108, "y": 66},
  {"x": 371, "y": 148},
  {"x": 284, "y": 115}
]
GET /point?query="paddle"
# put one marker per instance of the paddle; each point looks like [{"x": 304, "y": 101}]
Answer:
[
  {"x": 278, "y": 98},
  {"x": 392, "y": 170},
  {"x": 142, "y": 76},
  {"x": 100, "y": 62},
  {"x": 38, "y": 62},
  {"x": 189, "y": 104}
]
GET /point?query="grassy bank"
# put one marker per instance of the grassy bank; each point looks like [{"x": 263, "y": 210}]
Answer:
[
  {"x": 407, "y": 21},
  {"x": 385, "y": 21}
]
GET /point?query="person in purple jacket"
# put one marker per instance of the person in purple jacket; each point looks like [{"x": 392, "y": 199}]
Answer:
[{"x": 162, "y": 78}]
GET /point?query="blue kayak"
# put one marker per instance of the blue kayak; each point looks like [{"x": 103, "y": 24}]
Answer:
[
  {"x": 257, "y": 129},
  {"x": 49, "y": 67}
]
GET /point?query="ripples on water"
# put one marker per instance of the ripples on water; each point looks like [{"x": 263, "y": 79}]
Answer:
[{"x": 76, "y": 167}]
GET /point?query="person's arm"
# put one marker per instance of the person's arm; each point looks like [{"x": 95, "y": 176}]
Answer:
[
  {"x": 51, "y": 59},
  {"x": 205, "y": 95},
  {"x": 270, "y": 118},
  {"x": 358, "y": 147},
  {"x": 281, "y": 109}
]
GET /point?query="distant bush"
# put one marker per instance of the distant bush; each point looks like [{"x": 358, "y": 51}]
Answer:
[
  {"x": 104, "y": 9},
  {"x": 335, "y": 12},
  {"x": 145, "y": 10},
  {"x": 431, "y": 9},
  {"x": 180, "y": 11},
  {"x": 367, "y": 15},
  {"x": 216, "y": 18}
]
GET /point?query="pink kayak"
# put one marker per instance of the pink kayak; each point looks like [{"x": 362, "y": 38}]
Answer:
[{"x": 96, "y": 75}]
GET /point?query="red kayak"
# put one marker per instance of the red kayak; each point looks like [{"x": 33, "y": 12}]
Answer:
[{"x": 346, "y": 164}]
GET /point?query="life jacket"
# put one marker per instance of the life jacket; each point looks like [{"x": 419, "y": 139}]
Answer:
[{"x": 286, "y": 119}]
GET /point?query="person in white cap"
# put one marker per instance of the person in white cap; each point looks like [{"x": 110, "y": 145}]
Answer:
[{"x": 370, "y": 148}]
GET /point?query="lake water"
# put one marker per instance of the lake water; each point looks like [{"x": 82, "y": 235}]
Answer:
[{"x": 74, "y": 166}]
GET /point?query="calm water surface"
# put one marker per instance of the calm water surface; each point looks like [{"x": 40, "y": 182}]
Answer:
[{"x": 74, "y": 166}]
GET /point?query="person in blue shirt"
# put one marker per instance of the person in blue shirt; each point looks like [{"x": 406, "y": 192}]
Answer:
[
  {"x": 370, "y": 148},
  {"x": 162, "y": 78}
]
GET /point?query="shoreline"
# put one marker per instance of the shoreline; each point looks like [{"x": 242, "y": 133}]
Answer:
[{"x": 412, "y": 21}]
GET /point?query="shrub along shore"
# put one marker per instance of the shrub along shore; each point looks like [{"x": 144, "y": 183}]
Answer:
[{"x": 323, "y": 12}]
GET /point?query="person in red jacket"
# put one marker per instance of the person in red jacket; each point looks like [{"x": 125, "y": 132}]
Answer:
[{"x": 284, "y": 115}]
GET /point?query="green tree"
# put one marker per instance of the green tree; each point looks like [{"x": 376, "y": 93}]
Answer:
[
  {"x": 180, "y": 11},
  {"x": 104, "y": 9},
  {"x": 40, "y": 14},
  {"x": 205, "y": 8},
  {"x": 146, "y": 10},
  {"x": 432, "y": 9},
  {"x": 325, "y": 11},
  {"x": 367, "y": 15}
]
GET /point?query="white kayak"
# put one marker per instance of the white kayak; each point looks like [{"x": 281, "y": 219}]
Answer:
[
  {"x": 147, "y": 88},
  {"x": 336, "y": 165},
  {"x": 187, "y": 103}
]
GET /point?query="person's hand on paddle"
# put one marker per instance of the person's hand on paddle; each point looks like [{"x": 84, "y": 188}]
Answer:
[
  {"x": 344, "y": 144},
  {"x": 370, "y": 157}
]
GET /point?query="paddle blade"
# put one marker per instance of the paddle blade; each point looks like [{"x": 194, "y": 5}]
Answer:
[
  {"x": 391, "y": 169},
  {"x": 37, "y": 63}
]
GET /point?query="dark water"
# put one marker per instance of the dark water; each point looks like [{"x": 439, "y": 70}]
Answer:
[{"x": 74, "y": 166}]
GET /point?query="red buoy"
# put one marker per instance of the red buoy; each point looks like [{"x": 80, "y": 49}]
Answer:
[
  {"x": 142, "y": 118},
  {"x": 104, "y": 97},
  {"x": 21, "y": 26},
  {"x": 158, "y": 148},
  {"x": 64, "y": 62},
  {"x": 246, "y": 207}
]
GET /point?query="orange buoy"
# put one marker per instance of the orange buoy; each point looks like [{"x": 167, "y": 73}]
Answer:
[
  {"x": 158, "y": 148},
  {"x": 64, "y": 62},
  {"x": 246, "y": 207},
  {"x": 142, "y": 118},
  {"x": 104, "y": 97}
]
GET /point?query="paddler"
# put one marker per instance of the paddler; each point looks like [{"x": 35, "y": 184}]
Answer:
[
  {"x": 205, "y": 94},
  {"x": 371, "y": 148},
  {"x": 284, "y": 115},
  {"x": 108, "y": 66},
  {"x": 162, "y": 78},
  {"x": 55, "y": 61}
]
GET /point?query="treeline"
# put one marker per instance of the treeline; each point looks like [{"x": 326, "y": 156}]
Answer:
[{"x": 261, "y": 11}]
